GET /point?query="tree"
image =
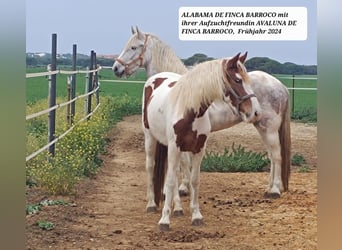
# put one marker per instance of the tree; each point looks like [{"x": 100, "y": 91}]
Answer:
[{"x": 196, "y": 58}]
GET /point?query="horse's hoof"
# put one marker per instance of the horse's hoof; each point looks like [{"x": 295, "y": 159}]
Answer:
[
  {"x": 151, "y": 209},
  {"x": 183, "y": 193},
  {"x": 164, "y": 227},
  {"x": 178, "y": 213},
  {"x": 197, "y": 222},
  {"x": 271, "y": 195}
]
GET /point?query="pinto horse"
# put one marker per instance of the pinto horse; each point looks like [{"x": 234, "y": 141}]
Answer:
[
  {"x": 148, "y": 51},
  {"x": 175, "y": 120}
]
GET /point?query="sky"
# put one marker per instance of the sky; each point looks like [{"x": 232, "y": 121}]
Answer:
[{"x": 105, "y": 26}]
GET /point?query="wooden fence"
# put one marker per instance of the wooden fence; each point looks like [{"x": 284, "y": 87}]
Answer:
[{"x": 92, "y": 88}]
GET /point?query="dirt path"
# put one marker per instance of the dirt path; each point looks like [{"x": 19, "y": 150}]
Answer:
[{"x": 108, "y": 212}]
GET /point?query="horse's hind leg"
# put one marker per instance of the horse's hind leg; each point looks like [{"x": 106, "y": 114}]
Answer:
[
  {"x": 197, "y": 218},
  {"x": 170, "y": 185},
  {"x": 150, "y": 149},
  {"x": 185, "y": 166},
  {"x": 270, "y": 137},
  {"x": 178, "y": 209}
]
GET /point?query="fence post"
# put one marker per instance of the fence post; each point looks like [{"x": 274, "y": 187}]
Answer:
[
  {"x": 73, "y": 82},
  {"x": 293, "y": 92},
  {"x": 52, "y": 95},
  {"x": 96, "y": 81},
  {"x": 68, "y": 112},
  {"x": 90, "y": 82}
]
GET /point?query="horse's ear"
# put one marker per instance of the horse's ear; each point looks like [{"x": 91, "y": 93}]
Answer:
[
  {"x": 242, "y": 58},
  {"x": 232, "y": 63},
  {"x": 132, "y": 30},
  {"x": 140, "y": 34}
]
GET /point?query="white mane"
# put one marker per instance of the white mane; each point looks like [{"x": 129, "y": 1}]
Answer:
[
  {"x": 200, "y": 86},
  {"x": 161, "y": 57}
]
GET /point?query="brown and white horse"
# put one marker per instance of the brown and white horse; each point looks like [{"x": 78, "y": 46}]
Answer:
[
  {"x": 175, "y": 120},
  {"x": 148, "y": 51}
]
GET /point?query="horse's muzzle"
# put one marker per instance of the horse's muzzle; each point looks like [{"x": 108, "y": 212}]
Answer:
[{"x": 118, "y": 72}]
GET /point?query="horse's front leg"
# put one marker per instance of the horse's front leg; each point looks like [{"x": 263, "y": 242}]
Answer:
[
  {"x": 196, "y": 217},
  {"x": 170, "y": 185}
]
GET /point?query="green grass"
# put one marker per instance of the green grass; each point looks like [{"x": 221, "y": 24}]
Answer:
[
  {"x": 303, "y": 99},
  {"x": 121, "y": 88},
  {"x": 37, "y": 87}
]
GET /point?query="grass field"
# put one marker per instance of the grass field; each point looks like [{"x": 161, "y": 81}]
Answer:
[
  {"x": 37, "y": 88},
  {"x": 302, "y": 98}
]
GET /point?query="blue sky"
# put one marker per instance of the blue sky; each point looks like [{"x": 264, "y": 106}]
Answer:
[{"x": 104, "y": 26}]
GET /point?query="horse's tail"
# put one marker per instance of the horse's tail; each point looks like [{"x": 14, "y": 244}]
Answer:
[
  {"x": 159, "y": 171},
  {"x": 284, "y": 133}
]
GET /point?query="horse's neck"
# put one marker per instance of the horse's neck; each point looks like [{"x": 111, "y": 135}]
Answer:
[
  {"x": 163, "y": 59},
  {"x": 222, "y": 116},
  {"x": 200, "y": 87},
  {"x": 151, "y": 70}
]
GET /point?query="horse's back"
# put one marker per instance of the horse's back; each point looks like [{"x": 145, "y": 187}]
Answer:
[
  {"x": 162, "y": 75},
  {"x": 267, "y": 88},
  {"x": 262, "y": 80},
  {"x": 158, "y": 86}
]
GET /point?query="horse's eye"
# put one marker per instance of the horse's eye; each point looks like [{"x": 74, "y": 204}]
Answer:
[
  {"x": 238, "y": 80},
  {"x": 133, "y": 47}
]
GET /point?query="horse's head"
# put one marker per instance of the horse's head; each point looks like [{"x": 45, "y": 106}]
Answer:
[
  {"x": 239, "y": 90},
  {"x": 132, "y": 57}
]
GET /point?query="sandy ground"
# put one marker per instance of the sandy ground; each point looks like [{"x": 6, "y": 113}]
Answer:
[{"x": 108, "y": 211}]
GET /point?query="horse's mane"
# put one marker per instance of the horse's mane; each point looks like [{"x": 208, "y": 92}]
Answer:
[
  {"x": 199, "y": 86},
  {"x": 203, "y": 84},
  {"x": 164, "y": 58}
]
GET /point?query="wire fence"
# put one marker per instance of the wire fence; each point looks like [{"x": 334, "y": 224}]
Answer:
[
  {"x": 92, "y": 88},
  {"x": 300, "y": 100},
  {"x": 296, "y": 93}
]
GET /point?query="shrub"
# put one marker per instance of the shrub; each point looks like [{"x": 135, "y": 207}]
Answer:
[
  {"x": 46, "y": 225},
  {"x": 239, "y": 160},
  {"x": 297, "y": 159},
  {"x": 76, "y": 154},
  {"x": 35, "y": 208},
  {"x": 305, "y": 115},
  {"x": 304, "y": 169}
]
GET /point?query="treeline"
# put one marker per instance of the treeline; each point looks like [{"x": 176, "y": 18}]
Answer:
[
  {"x": 256, "y": 63},
  {"x": 82, "y": 61},
  {"x": 263, "y": 63},
  {"x": 274, "y": 67},
  {"x": 196, "y": 58}
]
